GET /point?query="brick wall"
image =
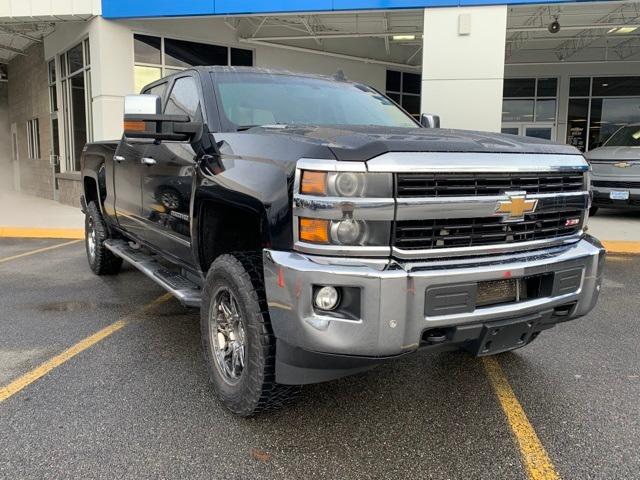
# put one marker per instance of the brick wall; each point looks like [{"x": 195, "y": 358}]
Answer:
[{"x": 28, "y": 99}]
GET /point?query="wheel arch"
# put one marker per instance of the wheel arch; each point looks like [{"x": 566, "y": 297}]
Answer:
[{"x": 221, "y": 226}]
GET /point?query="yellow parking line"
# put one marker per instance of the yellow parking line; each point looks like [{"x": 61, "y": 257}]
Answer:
[
  {"x": 536, "y": 461},
  {"x": 39, "y": 250},
  {"x": 621, "y": 246},
  {"x": 37, "y": 232},
  {"x": 39, "y": 372}
]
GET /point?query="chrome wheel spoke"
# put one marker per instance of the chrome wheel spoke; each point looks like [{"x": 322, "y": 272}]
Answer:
[{"x": 227, "y": 335}]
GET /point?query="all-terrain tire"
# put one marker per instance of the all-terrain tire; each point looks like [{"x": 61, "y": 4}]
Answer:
[
  {"x": 255, "y": 390},
  {"x": 101, "y": 260}
]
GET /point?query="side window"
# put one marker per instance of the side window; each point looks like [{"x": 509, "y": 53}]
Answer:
[{"x": 184, "y": 99}]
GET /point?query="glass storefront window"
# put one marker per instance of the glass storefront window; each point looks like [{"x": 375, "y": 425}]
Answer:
[
  {"x": 145, "y": 75},
  {"x": 616, "y": 86},
  {"x": 547, "y": 87},
  {"x": 77, "y": 103},
  {"x": 579, "y": 87},
  {"x": 404, "y": 89},
  {"x": 608, "y": 115},
  {"x": 546, "y": 110},
  {"x": 180, "y": 53},
  {"x": 147, "y": 49},
  {"x": 75, "y": 59},
  {"x": 607, "y": 104},
  {"x": 519, "y": 87},
  {"x": 156, "y": 57},
  {"x": 517, "y": 110},
  {"x": 529, "y": 106}
]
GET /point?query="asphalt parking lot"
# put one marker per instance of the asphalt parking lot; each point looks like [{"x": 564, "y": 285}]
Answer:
[{"x": 137, "y": 403}]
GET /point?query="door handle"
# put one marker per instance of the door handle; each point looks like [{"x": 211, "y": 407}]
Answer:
[
  {"x": 148, "y": 161},
  {"x": 118, "y": 158}
]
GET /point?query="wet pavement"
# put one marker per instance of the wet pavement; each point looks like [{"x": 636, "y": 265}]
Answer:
[{"x": 138, "y": 404}]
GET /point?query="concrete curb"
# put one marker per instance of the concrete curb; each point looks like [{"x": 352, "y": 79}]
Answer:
[
  {"x": 39, "y": 232},
  {"x": 622, "y": 246}
]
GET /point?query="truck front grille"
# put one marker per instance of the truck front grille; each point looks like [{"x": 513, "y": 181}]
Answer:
[
  {"x": 470, "y": 232},
  {"x": 473, "y": 184},
  {"x": 615, "y": 184}
]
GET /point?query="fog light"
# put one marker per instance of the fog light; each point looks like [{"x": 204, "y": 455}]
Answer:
[
  {"x": 347, "y": 232},
  {"x": 326, "y": 298}
]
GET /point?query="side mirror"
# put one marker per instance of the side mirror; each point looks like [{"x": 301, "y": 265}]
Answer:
[
  {"x": 429, "y": 121},
  {"x": 143, "y": 118}
]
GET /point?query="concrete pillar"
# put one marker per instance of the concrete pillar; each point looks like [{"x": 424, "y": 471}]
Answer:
[
  {"x": 463, "y": 66},
  {"x": 111, "y": 75}
]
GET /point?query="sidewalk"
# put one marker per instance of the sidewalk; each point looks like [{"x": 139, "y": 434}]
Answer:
[
  {"x": 619, "y": 230},
  {"x": 24, "y": 215}
]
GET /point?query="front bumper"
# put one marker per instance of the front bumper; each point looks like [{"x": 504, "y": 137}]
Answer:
[
  {"x": 602, "y": 194},
  {"x": 398, "y": 303}
]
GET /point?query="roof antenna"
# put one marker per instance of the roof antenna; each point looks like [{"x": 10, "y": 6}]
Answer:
[{"x": 339, "y": 76}]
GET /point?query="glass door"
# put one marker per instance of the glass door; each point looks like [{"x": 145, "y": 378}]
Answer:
[{"x": 546, "y": 131}]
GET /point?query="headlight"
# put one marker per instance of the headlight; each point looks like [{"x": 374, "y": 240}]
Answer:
[
  {"x": 346, "y": 184},
  {"x": 346, "y": 232},
  {"x": 341, "y": 209}
]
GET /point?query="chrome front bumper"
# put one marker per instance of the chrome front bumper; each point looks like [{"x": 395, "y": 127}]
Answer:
[{"x": 394, "y": 308}]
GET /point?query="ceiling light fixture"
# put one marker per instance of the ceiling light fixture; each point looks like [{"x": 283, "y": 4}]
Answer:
[
  {"x": 622, "y": 30},
  {"x": 399, "y": 38}
]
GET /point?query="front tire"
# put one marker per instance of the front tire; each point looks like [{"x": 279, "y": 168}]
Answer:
[
  {"x": 237, "y": 338},
  {"x": 593, "y": 210},
  {"x": 101, "y": 260}
]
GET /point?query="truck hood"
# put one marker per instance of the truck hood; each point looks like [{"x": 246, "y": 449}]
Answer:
[
  {"x": 353, "y": 143},
  {"x": 614, "y": 153}
]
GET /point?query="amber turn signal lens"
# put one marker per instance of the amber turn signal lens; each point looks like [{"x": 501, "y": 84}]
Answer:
[
  {"x": 314, "y": 183},
  {"x": 134, "y": 126},
  {"x": 314, "y": 231}
]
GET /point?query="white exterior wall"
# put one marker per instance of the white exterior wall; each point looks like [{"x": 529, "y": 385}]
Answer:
[
  {"x": 563, "y": 72},
  {"x": 462, "y": 74},
  {"x": 56, "y": 9}
]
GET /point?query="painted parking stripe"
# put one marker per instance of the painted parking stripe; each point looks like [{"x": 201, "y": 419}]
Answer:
[
  {"x": 536, "y": 460},
  {"x": 38, "y": 232},
  {"x": 28, "y": 378},
  {"x": 39, "y": 250}
]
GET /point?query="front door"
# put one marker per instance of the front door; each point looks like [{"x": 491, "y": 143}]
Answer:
[
  {"x": 546, "y": 131},
  {"x": 15, "y": 157},
  {"x": 167, "y": 178}
]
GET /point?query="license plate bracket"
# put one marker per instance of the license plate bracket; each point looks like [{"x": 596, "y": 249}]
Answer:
[
  {"x": 619, "y": 195},
  {"x": 502, "y": 336}
]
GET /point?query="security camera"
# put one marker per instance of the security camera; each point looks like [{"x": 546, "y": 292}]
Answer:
[{"x": 554, "y": 27}]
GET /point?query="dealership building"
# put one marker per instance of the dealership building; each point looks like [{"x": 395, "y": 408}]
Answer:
[{"x": 568, "y": 71}]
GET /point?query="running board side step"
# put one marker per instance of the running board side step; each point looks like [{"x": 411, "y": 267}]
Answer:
[{"x": 180, "y": 287}]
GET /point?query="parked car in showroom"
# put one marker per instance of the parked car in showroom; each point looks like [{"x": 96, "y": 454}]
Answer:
[
  {"x": 325, "y": 231},
  {"x": 615, "y": 180}
]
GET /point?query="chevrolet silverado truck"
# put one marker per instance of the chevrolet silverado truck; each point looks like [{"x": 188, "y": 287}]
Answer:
[
  {"x": 615, "y": 168},
  {"x": 321, "y": 230}
]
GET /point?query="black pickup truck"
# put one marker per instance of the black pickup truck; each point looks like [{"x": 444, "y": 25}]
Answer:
[{"x": 321, "y": 230}]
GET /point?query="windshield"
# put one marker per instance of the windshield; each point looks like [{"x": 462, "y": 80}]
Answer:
[
  {"x": 625, "y": 137},
  {"x": 250, "y": 99}
]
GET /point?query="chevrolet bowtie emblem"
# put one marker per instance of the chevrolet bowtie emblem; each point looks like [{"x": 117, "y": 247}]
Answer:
[
  {"x": 516, "y": 206},
  {"x": 622, "y": 164}
]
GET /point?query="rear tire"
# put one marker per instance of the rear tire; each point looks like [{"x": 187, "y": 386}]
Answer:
[
  {"x": 101, "y": 260},
  {"x": 237, "y": 339}
]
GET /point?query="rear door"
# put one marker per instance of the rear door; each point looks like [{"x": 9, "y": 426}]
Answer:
[
  {"x": 128, "y": 171},
  {"x": 167, "y": 177}
]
